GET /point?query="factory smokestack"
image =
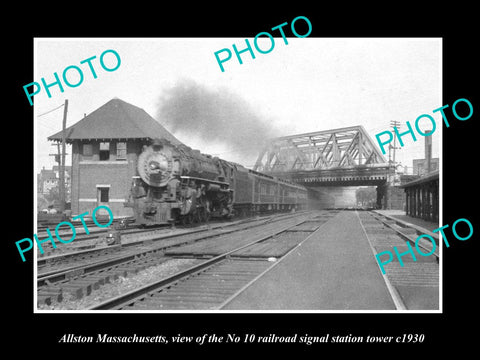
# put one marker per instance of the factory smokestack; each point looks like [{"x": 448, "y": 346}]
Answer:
[{"x": 428, "y": 154}]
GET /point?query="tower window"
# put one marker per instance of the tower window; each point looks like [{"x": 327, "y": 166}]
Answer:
[
  {"x": 104, "y": 151},
  {"x": 87, "y": 150},
  {"x": 121, "y": 150}
]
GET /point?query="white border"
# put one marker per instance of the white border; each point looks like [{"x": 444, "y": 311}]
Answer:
[{"x": 35, "y": 310}]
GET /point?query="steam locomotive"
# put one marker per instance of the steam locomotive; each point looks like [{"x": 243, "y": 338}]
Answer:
[{"x": 178, "y": 184}]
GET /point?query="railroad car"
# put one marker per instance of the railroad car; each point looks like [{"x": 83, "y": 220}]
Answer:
[
  {"x": 178, "y": 184},
  {"x": 257, "y": 193}
]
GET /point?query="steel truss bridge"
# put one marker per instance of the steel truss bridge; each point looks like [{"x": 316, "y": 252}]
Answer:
[{"x": 338, "y": 157}]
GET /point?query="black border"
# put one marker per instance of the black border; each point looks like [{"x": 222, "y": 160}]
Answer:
[{"x": 450, "y": 329}]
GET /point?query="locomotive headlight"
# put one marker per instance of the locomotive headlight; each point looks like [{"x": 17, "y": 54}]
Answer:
[
  {"x": 155, "y": 166},
  {"x": 159, "y": 165}
]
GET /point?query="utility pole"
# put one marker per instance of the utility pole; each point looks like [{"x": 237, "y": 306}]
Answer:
[{"x": 61, "y": 185}]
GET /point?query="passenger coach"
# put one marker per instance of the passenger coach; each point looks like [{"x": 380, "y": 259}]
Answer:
[{"x": 256, "y": 193}]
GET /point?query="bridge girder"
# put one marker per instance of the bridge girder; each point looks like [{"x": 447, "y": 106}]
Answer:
[{"x": 339, "y": 156}]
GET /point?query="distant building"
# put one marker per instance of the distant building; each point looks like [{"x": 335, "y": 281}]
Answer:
[
  {"x": 105, "y": 148},
  {"x": 48, "y": 180},
  {"x": 420, "y": 166}
]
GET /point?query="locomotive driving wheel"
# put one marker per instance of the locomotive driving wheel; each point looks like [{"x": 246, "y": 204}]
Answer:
[
  {"x": 204, "y": 215},
  {"x": 201, "y": 215},
  {"x": 206, "y": 211},
  {"x": 187, "y": 219}
]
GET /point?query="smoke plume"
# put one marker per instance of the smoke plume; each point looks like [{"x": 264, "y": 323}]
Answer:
[{"x": 214, "y": 116}]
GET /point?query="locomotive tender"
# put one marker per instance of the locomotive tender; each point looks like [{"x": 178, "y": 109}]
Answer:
[{"x": 178, "y": 184}]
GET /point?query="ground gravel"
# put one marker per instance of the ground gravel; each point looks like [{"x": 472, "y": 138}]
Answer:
[{"x": 121, "y": 285}]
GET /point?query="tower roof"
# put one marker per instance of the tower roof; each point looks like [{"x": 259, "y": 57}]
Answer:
[{"x": 116, "y": 119}]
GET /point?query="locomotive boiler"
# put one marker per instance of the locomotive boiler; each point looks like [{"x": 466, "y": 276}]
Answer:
[{"x": 178, "y": 184}]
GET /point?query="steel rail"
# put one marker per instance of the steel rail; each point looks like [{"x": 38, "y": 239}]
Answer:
[
  {"x": 77, "y": 270},
  {"x": 246, "y": 286},
  {"x": 378, "y": 217},
  {"x": 43, "y": 261},
  {"x": 396, "y": 298},
  {"x": 139, "y": 293}
]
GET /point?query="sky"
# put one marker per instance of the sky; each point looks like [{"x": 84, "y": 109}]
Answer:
[{"x": 311, "y": 84}]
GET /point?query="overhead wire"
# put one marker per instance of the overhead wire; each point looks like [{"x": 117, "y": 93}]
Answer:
[{"x": 49, "y": 111}]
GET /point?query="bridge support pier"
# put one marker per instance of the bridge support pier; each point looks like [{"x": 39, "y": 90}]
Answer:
[
  {"x": 380, "y": 196},
  {"x": 390, "y": 197}
]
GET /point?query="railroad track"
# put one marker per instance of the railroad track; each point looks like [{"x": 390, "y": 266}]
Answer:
[
  {"x": 43, "y": 225},
  {"x": 408, "y": 232},
  {"x": 73, "y": 260},
  {"x": 85, "y": 242},
  {"x": 230, "y": 268},
  {"x": 69, "y": 261},
  {"x": 414, "y": 285},
  {"x": 88, "y": 270}
]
